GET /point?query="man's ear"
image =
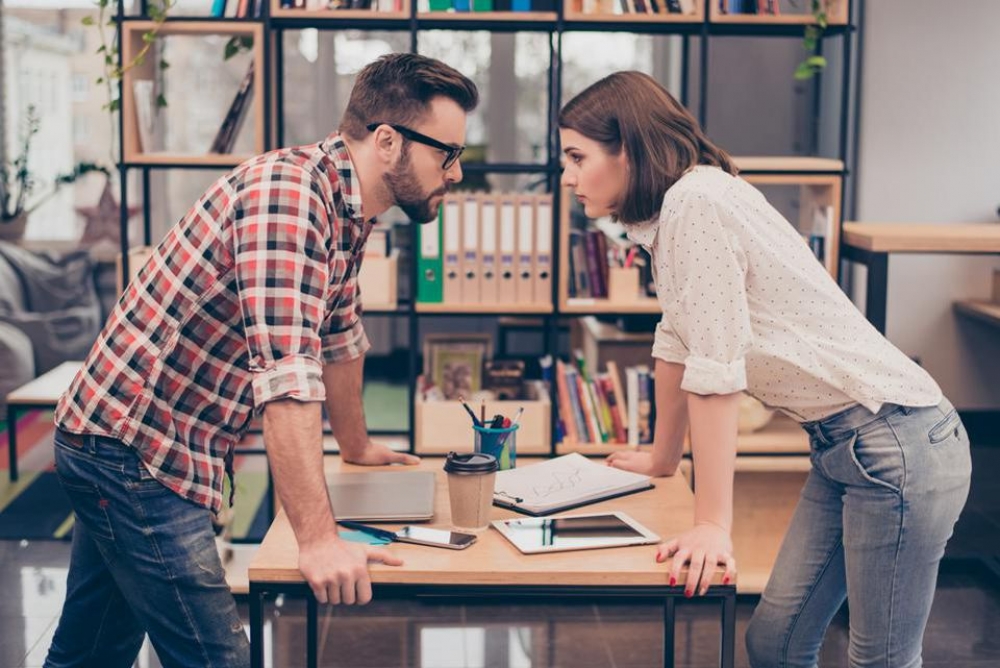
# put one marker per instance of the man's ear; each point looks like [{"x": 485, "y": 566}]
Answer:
[{"x": 387, "y": 144}]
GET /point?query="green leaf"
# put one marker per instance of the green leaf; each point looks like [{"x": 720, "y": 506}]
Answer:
[
  {"x": 100, "y": 80},
  {"x": 161, "y": 101},
  {"x": 101, "y": 49},
  {"x": 148, "y": 37},
  {"x": 114, "y": 105},
  {"x": 804, "y": 71},
  {"x": 816, "y": 62},
  {"x": 164, "y": 65},
  {"x": 87, "y": 20},
  {"x": 232, "y": 48},
  {"x": 103, "y": 3}
]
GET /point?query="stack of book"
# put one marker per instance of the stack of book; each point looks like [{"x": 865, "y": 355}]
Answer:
[
  {"x": 596, "y": 408},
  {"x": 631, "y": 7}
]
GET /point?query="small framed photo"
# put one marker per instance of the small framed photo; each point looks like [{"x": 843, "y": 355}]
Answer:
[{"x": 454, "y": 363}]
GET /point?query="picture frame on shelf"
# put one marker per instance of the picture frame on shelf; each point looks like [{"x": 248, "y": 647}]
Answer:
[{"x": 454, "y": 362}]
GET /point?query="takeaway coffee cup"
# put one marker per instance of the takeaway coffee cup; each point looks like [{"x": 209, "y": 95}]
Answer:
[{"x": 471, "y": 477}]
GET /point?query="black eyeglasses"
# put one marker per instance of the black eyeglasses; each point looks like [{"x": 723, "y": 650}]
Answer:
[{"x": 453, "y": 152}]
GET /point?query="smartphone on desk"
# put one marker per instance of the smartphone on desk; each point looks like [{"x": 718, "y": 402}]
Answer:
[
  {"x": 452, "y": 540},
  {"x": 435, "y": 537}
]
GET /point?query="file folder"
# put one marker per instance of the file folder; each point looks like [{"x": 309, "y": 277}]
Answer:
[
  {"x": 507, "y": 229},
  {"x": 543, "y": 250},
  {"x": 452, "y": 232},
  {"x": 525, "y": 249},
  {"x": 470, "y": 249},
  {"x": 429, "y": 262},
  {"x": 488, "y": 278}
]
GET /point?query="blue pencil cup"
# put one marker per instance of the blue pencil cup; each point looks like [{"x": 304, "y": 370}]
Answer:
[{"x": 501, "y": 443}]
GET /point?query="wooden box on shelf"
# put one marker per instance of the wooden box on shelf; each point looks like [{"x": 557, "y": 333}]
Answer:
[
  {"x": 133, "y": 43},
  {"x": 377, "y": 281},
  {"x": 836, "y": 14},
  {"x": 443, "y": 426},
  {"x": 819, "y": 180},
  {"x": 692, "y": 11},
  {"x": 279, "y": 12},
  {"x": 603, "y": 341}
]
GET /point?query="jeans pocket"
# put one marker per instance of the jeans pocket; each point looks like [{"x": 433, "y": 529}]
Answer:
[
  {"x": 878, "y": 456},
  {"x": 90, "y": 507},
  {"x": 947, "y": 427}
]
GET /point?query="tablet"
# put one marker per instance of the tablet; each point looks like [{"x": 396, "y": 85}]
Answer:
[{"x": 534, "y": 535}]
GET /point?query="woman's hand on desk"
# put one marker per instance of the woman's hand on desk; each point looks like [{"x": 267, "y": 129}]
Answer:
[
  {"x": 638, "y": 462},
  {"x": 707, "y": 547},
  {"x": 337, "y": 570},
  {"x": 376, "y": 454}
]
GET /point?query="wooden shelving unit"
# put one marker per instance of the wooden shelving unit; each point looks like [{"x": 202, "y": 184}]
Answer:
[
  {"x": 983, "y": 311},
  {"x": 479, "y": 309},
  {"x": 133, "y": 43},
  {"x": 520, "y": 17},
  {"x": 279, "y": 12},
  {"x": 780, "y": 437},
  {"x": 836, "y": 11}
]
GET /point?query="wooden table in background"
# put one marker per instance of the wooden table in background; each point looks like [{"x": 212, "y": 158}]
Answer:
[
  {"x": 492, "y": 567},
  {"x": 871, "y": 243},
  {"x": 42, "y": 392}
]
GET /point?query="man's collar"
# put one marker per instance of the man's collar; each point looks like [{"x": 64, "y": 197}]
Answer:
[{"x": 350, "y": 186}]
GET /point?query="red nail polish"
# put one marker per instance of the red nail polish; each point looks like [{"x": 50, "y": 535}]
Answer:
[
  {"x": 673, "y": 581},
  {"x": 725, "y": 580},
  {"x": 688, "y": 594}
]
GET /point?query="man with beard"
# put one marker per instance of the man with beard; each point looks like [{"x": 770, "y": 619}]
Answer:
[{"x": 249, "y": 306}]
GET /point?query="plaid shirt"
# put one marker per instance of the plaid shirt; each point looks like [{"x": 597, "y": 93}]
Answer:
[{"x": 242, "y": 303}]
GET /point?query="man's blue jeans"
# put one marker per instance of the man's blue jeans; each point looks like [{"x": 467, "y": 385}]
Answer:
[
  {"x": 143, "y": 561},
  {"x": 876, "y": 511}
]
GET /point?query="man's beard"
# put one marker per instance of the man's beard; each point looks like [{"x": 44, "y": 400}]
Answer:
[{"x": 407, "y": 193}]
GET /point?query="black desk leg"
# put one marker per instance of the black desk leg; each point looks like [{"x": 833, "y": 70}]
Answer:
[
  {"x": 727, "y": 652},
  {"x": 878, "y": 286},
  {"x": 669, "y": 623},
  {"x": 311, "y": 635},
  {"x": 256, "y": 627},
  {"x": 12, "y": 441}
]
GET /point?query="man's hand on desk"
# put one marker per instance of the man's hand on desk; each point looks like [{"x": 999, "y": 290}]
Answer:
[
  {"x": 707, "y": 547},
  {"x": 638, "y": 462},
  {"x": 376, "y": 454},
  {"x": 337, "y": 570}
]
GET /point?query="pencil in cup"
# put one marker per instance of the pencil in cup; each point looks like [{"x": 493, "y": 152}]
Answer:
[{"x": 500, "y": 442}]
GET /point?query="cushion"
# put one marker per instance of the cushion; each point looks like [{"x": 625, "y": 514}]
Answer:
[
  {"x": 17, "y": 365},
  {"x": 50, "y": 282}
]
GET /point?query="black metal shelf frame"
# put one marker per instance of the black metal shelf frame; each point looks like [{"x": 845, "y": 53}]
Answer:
[{"x": 705, "y": 30}]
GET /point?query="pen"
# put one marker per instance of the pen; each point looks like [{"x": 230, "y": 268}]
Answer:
[
  {"x": 471, "y": 413},
  {"x": 513, "y": 423},
  {"x": 482, "y": 411}
]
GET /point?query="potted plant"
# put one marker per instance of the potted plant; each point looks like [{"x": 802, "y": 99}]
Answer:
[{"x": 17, "y": 183}]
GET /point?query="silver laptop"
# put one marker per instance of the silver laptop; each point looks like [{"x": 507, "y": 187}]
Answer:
[{"x": 382, "y": 496}]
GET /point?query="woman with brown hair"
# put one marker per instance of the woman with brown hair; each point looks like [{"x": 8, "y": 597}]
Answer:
[{"x": 747, "y": 308}]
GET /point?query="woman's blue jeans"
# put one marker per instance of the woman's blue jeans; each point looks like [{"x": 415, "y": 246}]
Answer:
[
  {"x": 143, "y": 561},
  {"x": 879, "y": 504}
]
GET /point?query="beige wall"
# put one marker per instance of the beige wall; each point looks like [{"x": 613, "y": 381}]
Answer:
[{"x": 930, "y": 137}]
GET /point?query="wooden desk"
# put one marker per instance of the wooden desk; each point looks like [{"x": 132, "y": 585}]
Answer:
[
  {"x": 42, "y": 392},
  {"x": 871, "y": 243},
  {"x": 492, "y": 567}
]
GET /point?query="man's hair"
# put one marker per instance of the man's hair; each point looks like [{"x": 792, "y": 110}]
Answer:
[
  {"x": 398, "y": 89},
  {"x": 661, "y": 139}
]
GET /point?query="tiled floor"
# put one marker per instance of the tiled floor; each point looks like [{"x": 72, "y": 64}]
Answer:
[{"x": 962, "y": 632}]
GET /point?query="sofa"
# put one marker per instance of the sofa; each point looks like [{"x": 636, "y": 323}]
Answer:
[{"x": 49, "y": 312}]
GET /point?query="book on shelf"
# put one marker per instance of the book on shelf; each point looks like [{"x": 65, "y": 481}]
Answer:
[
  {"x": 145, "y": 110},
  {"x": 225, "y": 138},
  {"x": 563, "y": 483},
  {"x": 596, "y": 409}
]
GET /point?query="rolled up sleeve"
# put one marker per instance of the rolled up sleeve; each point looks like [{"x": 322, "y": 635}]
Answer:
[
  {"x": 666, "y": 345},
  {"x": 711, "y": 316},
  {"x": 280, "y": 240}
]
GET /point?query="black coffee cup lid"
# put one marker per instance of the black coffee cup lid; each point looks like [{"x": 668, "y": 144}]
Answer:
[{"x": 470, "y": 463}]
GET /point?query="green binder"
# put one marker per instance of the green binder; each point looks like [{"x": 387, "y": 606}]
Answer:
[{"x": 430, "y": 284}]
